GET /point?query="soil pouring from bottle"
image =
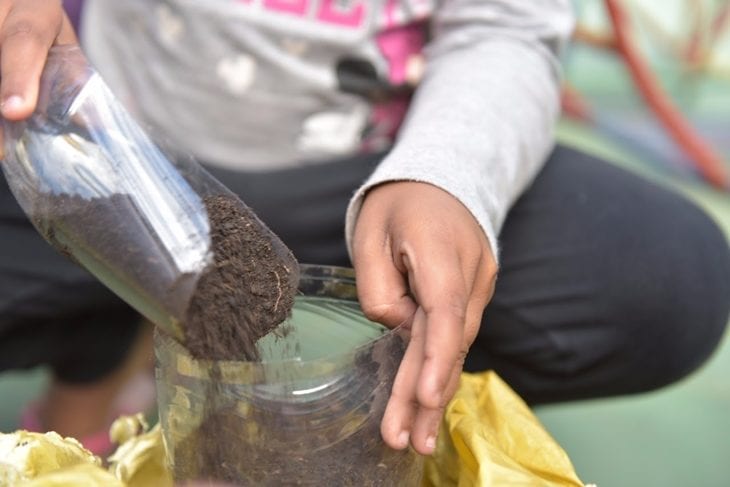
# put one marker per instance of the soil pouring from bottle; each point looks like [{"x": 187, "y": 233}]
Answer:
[{"x": 159, "y": 231}]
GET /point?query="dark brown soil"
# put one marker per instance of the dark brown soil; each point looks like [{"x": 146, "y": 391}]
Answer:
[
  {"x": 331, "y": 441},
  {"x": 108, "y": 234},
  {"x": 243, "y": 295},
  {"x": 247, "y": 291}
]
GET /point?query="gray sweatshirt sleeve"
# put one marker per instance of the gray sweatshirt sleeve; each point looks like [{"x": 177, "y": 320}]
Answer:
[{"x": 481, "y": 123}]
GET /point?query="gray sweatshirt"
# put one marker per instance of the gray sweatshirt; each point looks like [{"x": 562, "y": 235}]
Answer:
[{"x": 466, "y": 92}]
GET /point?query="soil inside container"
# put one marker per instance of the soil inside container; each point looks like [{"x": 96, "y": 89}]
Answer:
[
  {"x": 252, "y": 441},
  {"x": 108, "y": 235},
  {"x": 245, "y": 293}
]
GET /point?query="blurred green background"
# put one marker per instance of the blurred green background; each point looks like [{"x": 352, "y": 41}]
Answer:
[{"x": 680, "y": 435}]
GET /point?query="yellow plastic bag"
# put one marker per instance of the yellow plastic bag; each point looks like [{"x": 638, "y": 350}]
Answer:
[
  {"x": 489, "y": 438},
  {"x": 48, "y": 460},
  {"x": 81, "y": 475},
  {"x": 140, "y": 459}
]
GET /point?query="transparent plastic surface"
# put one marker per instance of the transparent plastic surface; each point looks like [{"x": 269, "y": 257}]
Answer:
[
  {"x": 309, "y": 414},
  {"x": 101, "y": 191}
]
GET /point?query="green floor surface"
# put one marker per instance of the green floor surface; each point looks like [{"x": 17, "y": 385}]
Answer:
[{"x": 16, "y": 390}]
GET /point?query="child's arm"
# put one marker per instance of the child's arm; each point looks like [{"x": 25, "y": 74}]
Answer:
[{"x": 479, "y": 129}]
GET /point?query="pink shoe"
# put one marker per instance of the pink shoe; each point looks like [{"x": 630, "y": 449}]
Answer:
[
  {"x": 98, "y": 443},
  {"x": 137, "y": 396}
]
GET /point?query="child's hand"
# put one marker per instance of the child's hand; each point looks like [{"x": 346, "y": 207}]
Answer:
[
  {"x": 28, "y": 28},
  {"x": 421, "y": 257}
]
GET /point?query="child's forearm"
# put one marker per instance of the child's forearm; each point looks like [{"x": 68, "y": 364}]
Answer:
[{"x": 481, "y": 123}]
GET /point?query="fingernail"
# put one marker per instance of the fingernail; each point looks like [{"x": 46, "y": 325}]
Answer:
[
  {"x": 431, "y": 443},
  {"x": 403, "y": 439},
  {"x": 13, "y": 102}
]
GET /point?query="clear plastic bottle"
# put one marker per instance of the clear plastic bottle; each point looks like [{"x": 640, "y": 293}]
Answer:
[
  {"x": 308, "y": 414},
  {"x": 101, "y": 191}
]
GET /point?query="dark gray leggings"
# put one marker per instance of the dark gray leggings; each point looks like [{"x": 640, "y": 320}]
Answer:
[{"x": 609, "y": 284}]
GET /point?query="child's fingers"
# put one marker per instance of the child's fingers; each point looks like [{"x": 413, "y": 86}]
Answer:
[
  {"x": 28, "y": 31},
  {"x": 382, "y": 288},
  {"x": 402, "y": 407},
  {"x": 425, "y": 427}
]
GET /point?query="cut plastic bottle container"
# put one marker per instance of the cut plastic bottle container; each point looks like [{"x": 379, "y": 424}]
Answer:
[
  {"x": 309, "y": 414},
  {"x": 102, "y": 192}
]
